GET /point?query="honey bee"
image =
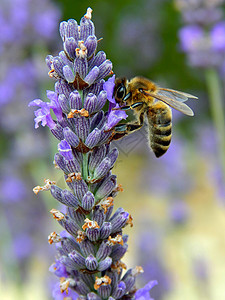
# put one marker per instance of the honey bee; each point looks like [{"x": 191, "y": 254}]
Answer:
[{"x": 147, "y": 98}]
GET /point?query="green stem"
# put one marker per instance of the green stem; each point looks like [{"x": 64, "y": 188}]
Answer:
[
  {"x": 85, "y": 166},
  {"x": 217, "y": 110}
]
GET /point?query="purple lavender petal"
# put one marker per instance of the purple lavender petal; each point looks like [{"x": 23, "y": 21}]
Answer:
[
  {"x": 54, "y": 104},
  {"x": 108, "y": 86},
  {"x": 144, "y": 292},
  {"x": 43, "y": 114},
  {"x": 114, "y": 117},
  {"x": 65, "y": 150}
]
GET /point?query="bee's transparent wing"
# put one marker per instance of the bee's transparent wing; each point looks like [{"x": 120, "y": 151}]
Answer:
[
  {"x": 175, "y": 95},
  {"x": 178, "y": 105}
]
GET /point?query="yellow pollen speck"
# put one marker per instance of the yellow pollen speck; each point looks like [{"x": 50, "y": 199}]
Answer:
[
  {"x": 117, "y": 240},
  {"x": 73, "y": 176},
  {"x": 90, "y": 224},
  {"x": 82, "y": 112},
  {"x": 80, "y": 236},
  {"x": 107, "y": 203},
  {"x": 130, "y": 221},
  {"x": 64, "y": 284},
  {"x": 46, "y": 187},
  {"x": 57, "y": 214},
  {"x": 106, "y": 280},
  {"x": 54, "y": 238}
]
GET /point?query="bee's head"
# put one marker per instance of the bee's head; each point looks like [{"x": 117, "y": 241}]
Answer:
[{"x": 120, "y": 89}]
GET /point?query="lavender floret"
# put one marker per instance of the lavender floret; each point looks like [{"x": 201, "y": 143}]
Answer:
[{"x": 89, "y": 260}]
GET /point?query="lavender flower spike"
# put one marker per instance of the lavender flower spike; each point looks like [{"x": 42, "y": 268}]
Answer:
[{"x": 89, "y": 256}]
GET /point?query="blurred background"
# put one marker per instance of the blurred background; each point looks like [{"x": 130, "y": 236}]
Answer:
[{"x": 178, "y": 201}]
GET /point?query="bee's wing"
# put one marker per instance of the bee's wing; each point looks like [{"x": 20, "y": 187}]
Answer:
[
  {"x": 176, "y": 95},
  {"x": 178, "y": 105}
]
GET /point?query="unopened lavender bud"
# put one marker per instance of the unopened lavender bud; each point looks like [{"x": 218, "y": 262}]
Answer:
[
  {"x": 75, "y": 100},
  {"x": 58, "y": 66},
  {"x": 71, "y": 137},
  {"x": 80, "y": 189},
  {"x": 93, "y": 296},
  {"x": 56, "y": 192},
  {"x": 129, "y": 281},
  {"x": 48, "y": 61},
  {"x": 73, "y": 166},
  {"x": 57, "y": 131},
  {"x": 63, "y": 87},
  {"x": 105, "y": 291},
  {"x": 97, "y": 120},
  {"x": 93, "y": 234},
  {"x": 81, "y": 66},
  {"x": 70, "y": 225},
  {"x": 106, "y": 188},
  {"x": 102, "y": 97},
  {"x": 104, "y": 250},
  {"x": 63, "y": 30},
  {"x": 70, "y": 46},
  {"x": 63, "y": 103},
  {"x": 105, "y": 264},
  {"x": 103, "y": 168},
  {"x": 96, "y": 157},
  {"x": 77, "y": 216},
  {"x": 104, "y": 69},
  {"x": 60, "y": 162},
  {"x": 91, "y": 263},
  {"x": 82, "y": 127},
  {"x": 118, "y": 252},
  {"x": 91, "y": 44},
  {"x": 99, "y": 215},
  {"x": 78, "y": 259},
  {"x": 88, "y": 201},
  {"x": 86, "y": 28},
  {"x": 68, "y": 74},
  {"x": 72, "y": 29},
  {"x": 67, "y": 262},
  {"x": 68, "y": 245},
  {"x": 120, "y": 290},
  {"x": 98, "y": 59},
  {"x": 113, "y": 155},
  {"x": 65, "y": 150},
  {"x": 105, "y": 230},
  {"x": 93, "y": 138},
  {"x": 82, "y": 288},
  {"x": 90, "y": 103},
  {"x": 87, "y": 247},
  {"x": 92, "y": 75},
  {"x": 105, "y": 137},
  {"x": 69, "y": 199},
  {"x": 65, "y": 59},
  {"x": 119, "y": 221}
]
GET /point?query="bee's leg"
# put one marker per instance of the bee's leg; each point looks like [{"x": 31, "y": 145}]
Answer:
[
  {"x": 126, "y": 128},
  {"x": 127, "y": 107}
]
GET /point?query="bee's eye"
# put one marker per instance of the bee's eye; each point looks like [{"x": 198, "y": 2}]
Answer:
[
  {"x": 141, "y": 90},
  {"x": 121, "y": 91}
]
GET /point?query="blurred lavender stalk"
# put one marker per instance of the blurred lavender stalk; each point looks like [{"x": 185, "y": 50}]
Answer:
[
  {"x": 203, "y": 40},
  {"x": 89, "y": 254},
  {"x": 20, "y": 79}
]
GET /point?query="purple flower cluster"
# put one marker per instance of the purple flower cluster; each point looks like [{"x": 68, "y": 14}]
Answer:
[
  {"x": 203, "y": 36},
  {"x": 89, "y": 255}
]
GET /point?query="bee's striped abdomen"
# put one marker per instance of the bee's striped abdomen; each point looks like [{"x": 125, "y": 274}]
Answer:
[{"x": 160, "y": 127}]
